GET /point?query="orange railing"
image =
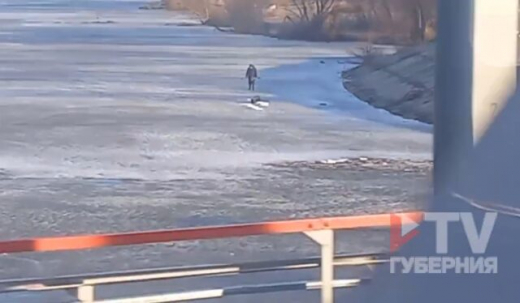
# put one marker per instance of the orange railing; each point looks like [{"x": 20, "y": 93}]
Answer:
[{"x": 321, "y": 230}]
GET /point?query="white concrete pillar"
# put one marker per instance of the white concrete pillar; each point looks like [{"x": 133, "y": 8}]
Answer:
[{"x": 494, "y": 59}]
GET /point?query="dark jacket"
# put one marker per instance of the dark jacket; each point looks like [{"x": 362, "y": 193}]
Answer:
[{"x": 251, "y": 73}]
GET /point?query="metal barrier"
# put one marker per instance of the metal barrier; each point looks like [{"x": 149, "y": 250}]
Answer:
[{"x": 320, "y": 230}]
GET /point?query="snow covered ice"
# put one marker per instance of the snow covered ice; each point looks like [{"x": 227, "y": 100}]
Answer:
[{"x": 133, "y": 96}]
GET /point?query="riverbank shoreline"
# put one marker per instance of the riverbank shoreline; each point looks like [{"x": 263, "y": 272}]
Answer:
[{"x": 402, "y": 83}]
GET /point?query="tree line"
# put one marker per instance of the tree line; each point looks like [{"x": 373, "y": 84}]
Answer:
[{"x": 378, "y": 21}]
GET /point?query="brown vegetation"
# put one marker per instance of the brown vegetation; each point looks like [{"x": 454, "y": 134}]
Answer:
[{"x": 379, "y": 21}]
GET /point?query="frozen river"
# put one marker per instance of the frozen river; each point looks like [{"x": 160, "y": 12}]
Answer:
[
  {"x": 92, "y": 90},
  {"x": 117, "y": 119}
]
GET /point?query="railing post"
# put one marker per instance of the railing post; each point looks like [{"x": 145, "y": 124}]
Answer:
[
  {"x": 85, "y": 293},
  {"x": 325, "y": 238}
]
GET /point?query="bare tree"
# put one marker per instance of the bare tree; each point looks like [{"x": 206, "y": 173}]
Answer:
[
  {"x": 422, "y": 13},
  {"x": 310, "y": 10},
  {"x": 206, "y": 11},
  {"x": 387, "y": 9},
  {"x": 411, "y": 17},
  {"x": 246, "y": 16}
]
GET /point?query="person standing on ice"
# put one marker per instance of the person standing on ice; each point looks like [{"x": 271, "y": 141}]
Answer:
[{"x": 251, "y": 75}]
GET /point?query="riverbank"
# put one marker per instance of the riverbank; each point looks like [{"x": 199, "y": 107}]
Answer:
[
  {"x": 284, "y": 19},
  {"x": 401, "y": 83}
]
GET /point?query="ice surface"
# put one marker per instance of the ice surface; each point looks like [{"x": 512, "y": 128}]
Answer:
[{"x": 99, "y": 89}]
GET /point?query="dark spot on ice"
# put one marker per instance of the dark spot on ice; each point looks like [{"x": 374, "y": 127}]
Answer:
[
  {"x": 99, "y": 22},
  {"x": 323, "y": 104},
  {"x": 147, "y": 157},
  {"x": 4, "y": 174},
  {"x": 111, "y": 181},
  {"x": 184, "y": 24}
]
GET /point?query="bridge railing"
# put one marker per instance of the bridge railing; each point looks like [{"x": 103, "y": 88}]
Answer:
[{"x": 321, "y": 230}]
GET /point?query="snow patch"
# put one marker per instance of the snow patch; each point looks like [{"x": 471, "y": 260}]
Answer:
[
  {"x": 253, "y": 106},
  {"x": 333, "y": 161},
  {"x": 262, "y": 103}
]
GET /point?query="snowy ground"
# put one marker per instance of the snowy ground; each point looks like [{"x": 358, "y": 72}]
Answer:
[{"x": 117, "y": 119}]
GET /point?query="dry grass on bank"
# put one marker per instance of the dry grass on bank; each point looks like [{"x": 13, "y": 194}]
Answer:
[{"x": 377, "y": 21}]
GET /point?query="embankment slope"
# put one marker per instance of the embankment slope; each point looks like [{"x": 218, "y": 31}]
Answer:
[{"x": 401, "y": 83}]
